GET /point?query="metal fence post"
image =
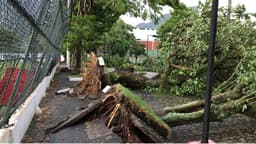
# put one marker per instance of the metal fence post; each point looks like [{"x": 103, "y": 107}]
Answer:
[{"x": 207, "y": 109}]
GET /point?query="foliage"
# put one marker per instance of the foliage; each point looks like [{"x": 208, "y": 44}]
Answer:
[
  {"x": 92, "y": 18},
  {"x": 184, "y": 45},
  {"x": 88, "y": 27},
  {"x": 119, "y": 39},
  {"x": 137, "y": 50},
  {"x": 240, "y": 12},
  {"x": 114, "y": 61}
]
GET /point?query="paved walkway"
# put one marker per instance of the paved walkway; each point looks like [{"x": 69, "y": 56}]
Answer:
[
  {"x": 237, "y": 128},
  {"x": 57, "y": 107}
]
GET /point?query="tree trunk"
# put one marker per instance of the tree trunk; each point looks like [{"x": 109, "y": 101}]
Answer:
[
  {"x": 78, "y": 56},
  {"x": 131, "y": 80},
  {"x": 223, "y": 105}
]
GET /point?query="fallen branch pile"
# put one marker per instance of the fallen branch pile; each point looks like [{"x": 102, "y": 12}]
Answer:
[{"x": 127, "y": 115}]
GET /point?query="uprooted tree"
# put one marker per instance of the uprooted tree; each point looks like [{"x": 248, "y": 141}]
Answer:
[
  {"x": 131, "y": 118},
  {"x": 185, "y": 55},
  {"x": 184, "y": 45},
  {"x": 128, "y": 116},
  {"x": 92, "y": 76}
]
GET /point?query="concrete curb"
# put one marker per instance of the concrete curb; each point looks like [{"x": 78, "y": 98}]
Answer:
[{"x": 21, "y": 118}]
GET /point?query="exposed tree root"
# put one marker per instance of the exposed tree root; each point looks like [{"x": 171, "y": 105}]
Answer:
[
  {"x": 127, "y": 115},
  {"x": 91, "y": 82}
]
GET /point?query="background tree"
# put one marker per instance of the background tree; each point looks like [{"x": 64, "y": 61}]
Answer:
[
  {"x": 92, "y": 18},
  {"x": 137, "y": 49},
  {"x": 118, "y": 41},
  {"x": 184, "y": 45},
  {"x": 8, "y": 41},
  {"x": 89, "y": 22}
]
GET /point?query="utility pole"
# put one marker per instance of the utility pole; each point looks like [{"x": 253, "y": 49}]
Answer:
[{"x": 229, "y": 9}]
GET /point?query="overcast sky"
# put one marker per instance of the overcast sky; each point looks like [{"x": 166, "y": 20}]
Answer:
[{"x": 250, "y": 7}]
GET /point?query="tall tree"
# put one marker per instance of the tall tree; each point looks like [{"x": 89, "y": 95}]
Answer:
[
  {"x": 120, "y": 39},
  {"x": 92, "y": 18}
]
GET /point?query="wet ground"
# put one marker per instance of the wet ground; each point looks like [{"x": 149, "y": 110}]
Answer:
[
  {"x": 55, "y": 108},
  {"x": 235, "y": 129}
]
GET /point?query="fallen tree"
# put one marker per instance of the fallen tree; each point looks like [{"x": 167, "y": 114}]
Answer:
[
  {"x": 127, "y": 78},
  {"x": 128, "y": 116},
  {"x": 223, "y": 105},
  {"x": 184, "y": 53},
  {"x": 235, "y": 95}
]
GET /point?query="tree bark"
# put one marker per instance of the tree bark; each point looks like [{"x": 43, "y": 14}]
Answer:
[
  {"x": 78, "y": 56},
  {"x": 131, "y": 80},
  {"x": 193, "y": 111}
]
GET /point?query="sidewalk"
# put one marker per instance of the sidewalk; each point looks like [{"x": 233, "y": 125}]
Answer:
[{"x": 57, "y": 107}]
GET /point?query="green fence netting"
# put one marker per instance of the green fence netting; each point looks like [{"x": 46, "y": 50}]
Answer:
[{"x": 30, "y": 36}]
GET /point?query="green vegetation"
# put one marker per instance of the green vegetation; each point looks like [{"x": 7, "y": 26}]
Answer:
[
  {"x": 93, "y": 19},
  {"x": 76, "y": 76},
  {"x": 119, "y": 39},
  {"x": 144, "y": 107},
  {"x": 184, "y": 44},
  {"x": 182, "y": 52}
]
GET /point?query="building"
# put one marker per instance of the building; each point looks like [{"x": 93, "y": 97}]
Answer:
[{"x": 145, "y": 33}]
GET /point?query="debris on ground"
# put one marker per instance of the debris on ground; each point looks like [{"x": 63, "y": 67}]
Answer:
[
  {"x": 64, "y": 91},
  {"x": 127, "y": 115},
  {"x": 151, "y": 75}
]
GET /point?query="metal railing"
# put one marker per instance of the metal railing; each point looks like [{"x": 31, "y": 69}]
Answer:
[{"x": 31, "y": 33}]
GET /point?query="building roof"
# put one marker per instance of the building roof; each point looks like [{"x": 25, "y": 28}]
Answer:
[{"x": 151, "y": 25}]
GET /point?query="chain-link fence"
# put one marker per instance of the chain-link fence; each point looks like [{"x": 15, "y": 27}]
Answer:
[{"x": 31, "y": 32}]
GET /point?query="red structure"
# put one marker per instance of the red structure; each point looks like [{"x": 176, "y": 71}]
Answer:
[
  {"x": 11, "y": 73},
  {"x": 149, "y": 45}
]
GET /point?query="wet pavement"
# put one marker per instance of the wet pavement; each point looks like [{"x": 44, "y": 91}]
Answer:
[
  {"x": 235, "y": 129},
  {"x": 55, "y": 108}
]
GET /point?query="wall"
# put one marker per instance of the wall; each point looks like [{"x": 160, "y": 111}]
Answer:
[{"x": 21, "y": 118}]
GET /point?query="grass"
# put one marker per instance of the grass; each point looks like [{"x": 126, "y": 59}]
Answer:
[
  {"x": 76, "y": 76},
  {"x": 4, "y": 65},
  {"x": 3, "y": 69},
  {"x": 142, "y": 105}
]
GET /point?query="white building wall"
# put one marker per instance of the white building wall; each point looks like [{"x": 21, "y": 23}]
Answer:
[{"x": 143, "y": 34}]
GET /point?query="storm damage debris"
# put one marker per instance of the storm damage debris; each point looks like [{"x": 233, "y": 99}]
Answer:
[
  {"x": 91, "y": 83},
  {"x": 127, "y": 115}
]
